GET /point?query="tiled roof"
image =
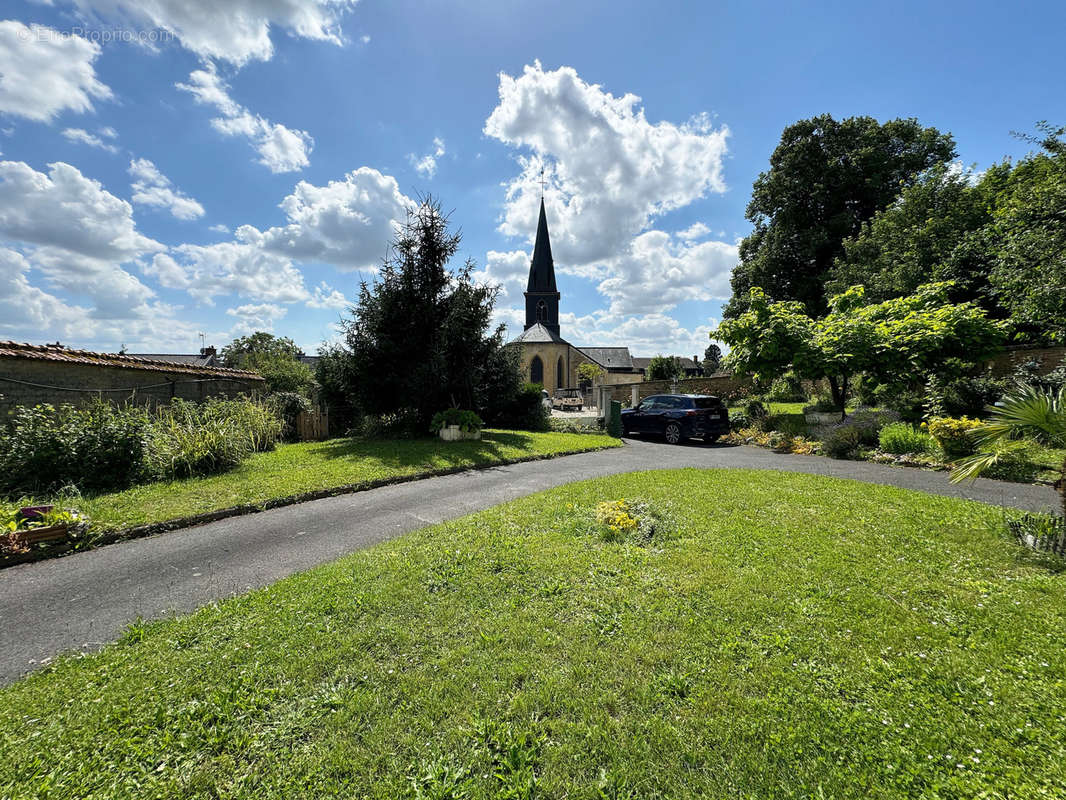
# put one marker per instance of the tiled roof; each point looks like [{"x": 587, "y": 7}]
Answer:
[
  {"x": 193, "y": 359},
  {"x": 538, "y": 334},
  {"x": 686, "y": 363},
  {"x": 610, "y": 357},
  {"x": 43, "y": 352}
]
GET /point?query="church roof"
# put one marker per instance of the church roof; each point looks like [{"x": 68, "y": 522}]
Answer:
[
  {"x": 610, "y": 357},
  {"x": 542, "y": 268},
  {"x": 538, "y": 334}
]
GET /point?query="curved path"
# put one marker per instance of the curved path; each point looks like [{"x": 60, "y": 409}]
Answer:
[{"x": 86, "y": 599}]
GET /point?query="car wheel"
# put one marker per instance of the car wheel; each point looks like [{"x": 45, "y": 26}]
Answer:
[{"x": 672, "y": 433}]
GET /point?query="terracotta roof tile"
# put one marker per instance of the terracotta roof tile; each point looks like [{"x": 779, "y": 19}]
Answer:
[{"x": 43, "y": 352}]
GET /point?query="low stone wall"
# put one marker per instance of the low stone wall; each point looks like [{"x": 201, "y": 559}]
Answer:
[
  {"x": 1048, "y": 357},
  {"x": 29, "y": 382},
  {"x": 711, "y": 384}
]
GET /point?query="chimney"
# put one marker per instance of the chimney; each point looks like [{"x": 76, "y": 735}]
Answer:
[{"x": 207, "y": 352}]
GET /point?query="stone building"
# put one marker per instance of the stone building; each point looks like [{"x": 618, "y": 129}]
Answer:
[
  {"x": 34, "y": 374},
  {"x": 546, "y": 357}
]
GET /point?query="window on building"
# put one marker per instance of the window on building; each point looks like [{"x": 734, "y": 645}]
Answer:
[
  {"x": 536, "y": 371},
  {"x": 560, "y": 381},
  {"x": 542, "y": 311}
]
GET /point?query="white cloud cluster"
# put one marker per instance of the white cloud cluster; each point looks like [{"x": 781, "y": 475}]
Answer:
[
  {"x": 237, "y": 31},
  {"x": 44, "y": 72},
  {"x": 508, "y": 270},
  {"x": 77, "y": 235},
  {"x": 326, "y": 296},
  {"x": 345, "y": 223},
  {"x": 426, "y": 166},
  {"x": 255, "y": 317},
  {"x": 280, "y": 149},
  {"x": 82, "y": 136},
  {"x": 153, "y": 188},
  {"x": 612, "y": 175}
]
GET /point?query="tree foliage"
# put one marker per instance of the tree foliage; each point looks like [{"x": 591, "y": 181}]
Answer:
[
  {"x": 896, "y": 342},
  {"x": 273, "y": 357},
  {"x": 420, "y": 338},
  {"x": 712, "y": 359},
  {"x": 664, "y": 368},
  {"x": 826, "y": 179}
]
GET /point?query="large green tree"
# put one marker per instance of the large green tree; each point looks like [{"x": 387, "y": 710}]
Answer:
[
  {"x": 897, "y": 342},
  {"x": 826, "y": 179},
  {"x": 664, "y": 368},
  {"x": 420, "y": 338},
  {"x": 273, "y": 357}
]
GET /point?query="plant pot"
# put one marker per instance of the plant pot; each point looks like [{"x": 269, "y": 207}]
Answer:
[
  {"x": 822, "y": 417},
  {"x": 452, "y": 433}
]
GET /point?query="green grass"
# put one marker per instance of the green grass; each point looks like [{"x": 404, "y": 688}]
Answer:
[
  {"x": 296, "y": 468},
  {"x": 780, "y": 635}
]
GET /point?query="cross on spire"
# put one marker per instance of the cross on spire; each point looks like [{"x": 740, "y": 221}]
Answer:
[{"x": 543, "y": 183}]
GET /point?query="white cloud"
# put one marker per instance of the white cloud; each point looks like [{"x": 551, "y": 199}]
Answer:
[
  {"x": 219, "y": 228},
  {"x": 255, "y": 317},
  {"x": 656, "y": 273},
  {"x": 326, "y": 296},
  {"x": 509, "y": 271},
  {"x": 426, "y": 166},
  {"x": 84, "y": 137},
  {"x": 44, "y": 72},
  {"x": 152, "y": 188},
  {"x": 280, "y": 149},
  {"x": 66, "y": 228},
  {"x": 611, "y": 171},
  {"x": 346, "y": 223},
  {"x": 612, "y": 174},
  {"x": 237, "y": 30}
]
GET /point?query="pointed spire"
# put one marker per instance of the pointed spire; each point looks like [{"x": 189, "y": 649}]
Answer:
[{"x": 542, "y": 268}]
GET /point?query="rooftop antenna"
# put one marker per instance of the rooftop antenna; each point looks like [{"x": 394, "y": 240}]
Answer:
[{"x": 203, "y": 339}]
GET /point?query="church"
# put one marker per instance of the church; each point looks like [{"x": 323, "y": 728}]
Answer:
[{"x": 546, "y": 357}]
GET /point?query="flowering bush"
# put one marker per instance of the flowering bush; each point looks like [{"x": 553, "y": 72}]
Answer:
[
  {"x": 953, "y": 435},
  {"x": 635, "y": 520}
]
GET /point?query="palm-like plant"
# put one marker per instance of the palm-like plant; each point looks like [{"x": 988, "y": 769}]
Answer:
[{"x": 1028, "y": 413}]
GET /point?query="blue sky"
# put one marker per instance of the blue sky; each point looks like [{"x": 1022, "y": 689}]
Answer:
[{"x": 182, "y": 166}]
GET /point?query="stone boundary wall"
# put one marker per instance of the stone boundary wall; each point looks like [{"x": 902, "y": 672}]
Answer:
[
  {"x": 162, "y": 386},
  {"x": 711, "y": 384},
  {"x": 1005, "y": 362}
]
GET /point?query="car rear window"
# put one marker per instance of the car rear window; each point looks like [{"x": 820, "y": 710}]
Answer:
[{"x": 707, "y": 402}]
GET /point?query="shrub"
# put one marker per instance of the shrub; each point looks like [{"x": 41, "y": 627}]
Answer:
[
  {"x": 755, "y": 410},
  {"x": 787, "y": 388},
  {"x": 400, "y": 425},
  {"x": 467, "y": 421},
  {"x": 902, "y": 438},
  {"x": 823, "y": 404},
  {"x": 792, "y": 424},
  {"x": 96, "y": 448},
  {"x": 738, "y": 420},
  {"x": 103, "y": 447},
  {"x": 186, "y": 439},
  {"x": 843, "y": 441},
  {"x": 288, "y": 406},
  {"x": 961, "y": 396},
  {"x": 954, "y": 435},
  {"x": 525, "y": 411}
]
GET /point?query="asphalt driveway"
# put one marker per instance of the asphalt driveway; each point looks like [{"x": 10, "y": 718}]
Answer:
[{"x": 82, "y": 601}]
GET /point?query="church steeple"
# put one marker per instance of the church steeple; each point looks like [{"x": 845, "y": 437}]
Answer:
[{"x": 542, "y": 297}]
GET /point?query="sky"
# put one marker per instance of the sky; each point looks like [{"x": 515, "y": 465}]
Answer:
[{"x": 172, "y": 168}]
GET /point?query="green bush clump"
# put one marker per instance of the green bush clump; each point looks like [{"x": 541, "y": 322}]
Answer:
[
  {"x": 787, "y": 388},
  {"x": 95, "y": 448},
  {"x": 103, "y": 447},
  {"x": 525, "y": 411},
  {"x": 967, "y": 395},
  {"x": 954, "y": 435},
  {"x": 902, "y": 438},
  {"x": 858, "y": 430},
  {"x": 187, "y": 439},
  {"x": 468, "y": 421}
]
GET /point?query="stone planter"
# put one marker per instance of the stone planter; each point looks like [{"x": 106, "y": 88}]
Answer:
[
  {"x": 822, "y": 417},
  {"x": 452, "y": 433}
]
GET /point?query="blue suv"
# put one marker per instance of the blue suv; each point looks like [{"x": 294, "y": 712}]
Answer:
[{"x": 677, "y": 417}]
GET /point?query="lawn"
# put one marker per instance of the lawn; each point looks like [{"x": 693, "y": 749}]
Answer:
[
  {"x": 297, "y": 468},
  {"x": 778, "y": 635}
]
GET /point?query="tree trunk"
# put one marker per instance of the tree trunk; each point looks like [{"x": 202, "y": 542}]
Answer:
[{"x": 839, "y": 390}]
